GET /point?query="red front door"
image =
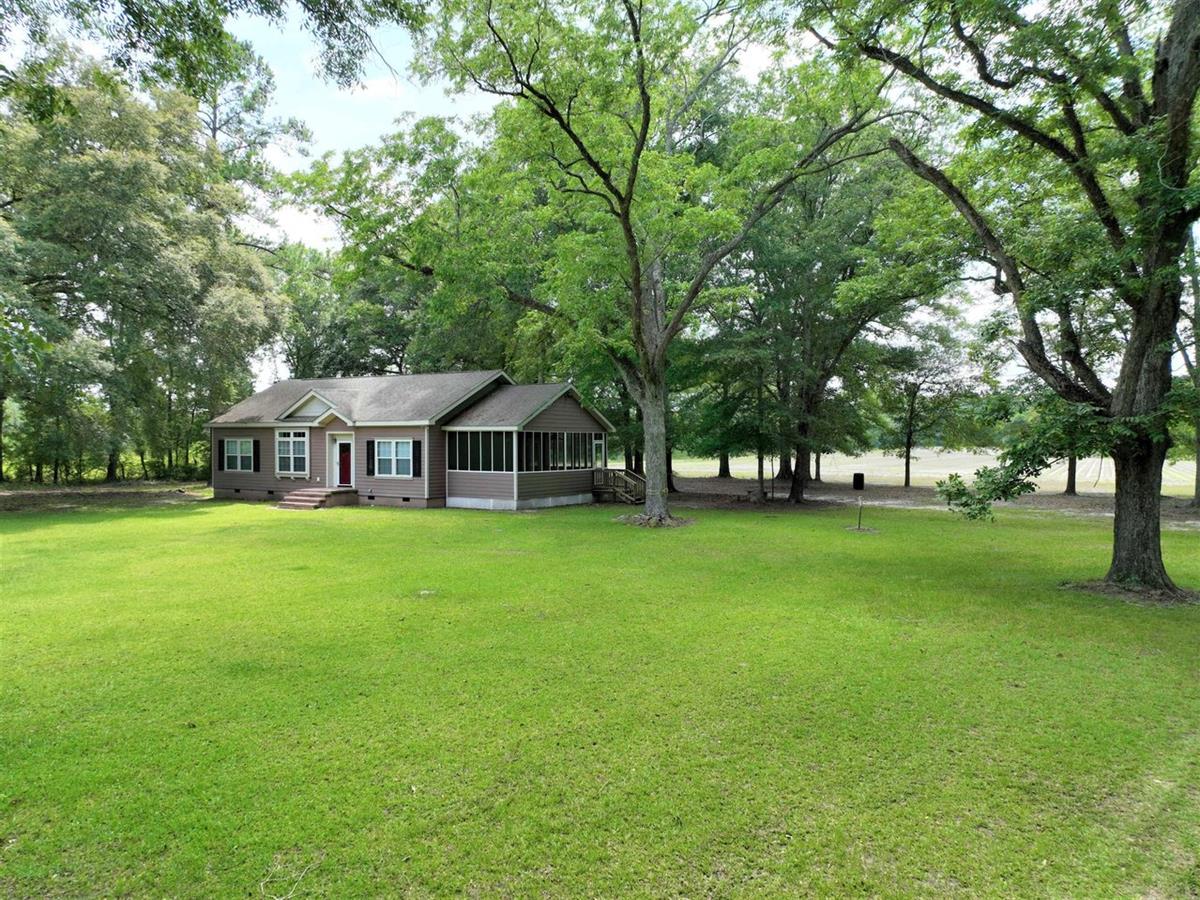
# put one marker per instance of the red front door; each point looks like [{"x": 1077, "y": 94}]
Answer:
[{"x": 343, "y": 464}]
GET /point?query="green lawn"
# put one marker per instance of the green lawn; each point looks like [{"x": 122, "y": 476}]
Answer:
[{"x": 199, "y": 698}]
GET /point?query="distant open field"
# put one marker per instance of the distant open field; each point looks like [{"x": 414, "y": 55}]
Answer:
[{"x": 930, "y": 465}]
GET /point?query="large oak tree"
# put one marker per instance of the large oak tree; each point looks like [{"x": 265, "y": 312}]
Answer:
[
  {"x": 607, "y": 101},
  {"x": 1091, "y": 107}
]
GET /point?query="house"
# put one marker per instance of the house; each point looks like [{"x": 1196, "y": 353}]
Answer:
[{"x": 460, "y": 439}]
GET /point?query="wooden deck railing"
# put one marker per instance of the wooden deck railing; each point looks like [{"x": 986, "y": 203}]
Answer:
[{"x": 621, "y": 484}]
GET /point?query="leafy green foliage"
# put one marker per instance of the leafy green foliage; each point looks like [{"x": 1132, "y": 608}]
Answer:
[
  {"x": 121, "y": 235},
  {"x": 1047, "y": 428},
  {"x": 185, "y": 42}
]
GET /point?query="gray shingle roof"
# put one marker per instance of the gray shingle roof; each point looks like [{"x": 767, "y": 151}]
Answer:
[
  {"x": 509, "y": 406},
  {"x": 381, "y": 398}
]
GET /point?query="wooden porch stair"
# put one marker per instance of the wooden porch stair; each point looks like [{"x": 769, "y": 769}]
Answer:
[
  {"x": 318, "y": 498},
  {"x": 618, "y": 486}
]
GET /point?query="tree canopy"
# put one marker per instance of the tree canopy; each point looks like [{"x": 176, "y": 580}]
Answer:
[{"x": 739, "y": 227}]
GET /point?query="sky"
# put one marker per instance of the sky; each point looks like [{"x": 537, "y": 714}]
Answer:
[{"x": 341, "y": 119}]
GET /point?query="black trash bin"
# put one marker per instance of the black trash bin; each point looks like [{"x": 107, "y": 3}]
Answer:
[{"x": 860, "y": 481}]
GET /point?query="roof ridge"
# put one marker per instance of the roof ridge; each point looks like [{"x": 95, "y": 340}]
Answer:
[{"x": 391, "y": 375}]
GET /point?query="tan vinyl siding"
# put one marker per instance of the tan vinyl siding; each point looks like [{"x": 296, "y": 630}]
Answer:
[
  {"x": 553, "y": 484},
  {"x": 436, "y": 457},
  {"x": 265, "y": 479},
  {"x": 564, "y": 414},
  {"x": 483, "y": 485},
  {"x": 385, "y": 486}
]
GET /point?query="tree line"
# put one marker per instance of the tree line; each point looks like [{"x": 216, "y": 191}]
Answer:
[{"x": 778, "y": 261}]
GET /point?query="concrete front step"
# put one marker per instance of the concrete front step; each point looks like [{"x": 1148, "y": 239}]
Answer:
[{"x": 318, "y": 498}]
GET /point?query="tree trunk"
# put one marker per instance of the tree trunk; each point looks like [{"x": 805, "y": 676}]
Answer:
[
  {"x": 110, "y": 470},
  {"x": 671, "y": 489},
  {"x": 639, "y": 459},
  {"x": 1072, "y": 465},
  {"x": 654, "y": 442},
  {"x": 817, "y": 467},
  {"x": 785, "y": 463},
  {"x": 1196, "y": 491},
  {"x": 912, "y": 392},
  {"x": 723, "y": 465},
  {"x": 629, "y": 459},
  {"x": 760, "y": 495},
  {"x": 799, "y": 473},
  {"x": 1137, "y": 550},
  {"x": 38, "y": 475}
]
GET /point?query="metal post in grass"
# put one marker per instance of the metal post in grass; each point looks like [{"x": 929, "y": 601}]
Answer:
[{"x": 859, "y": 485}]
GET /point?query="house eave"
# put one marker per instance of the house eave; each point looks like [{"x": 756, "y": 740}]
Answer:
[
  {"x": 481, "y": 428},
  {"x": 434, "y": 419},
  {"x": 280, "y": 423}
]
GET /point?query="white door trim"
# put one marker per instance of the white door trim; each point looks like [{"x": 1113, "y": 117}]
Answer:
[{"x": 336, "y": 438}]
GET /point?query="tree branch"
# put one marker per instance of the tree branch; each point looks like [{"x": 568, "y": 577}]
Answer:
[
  {"x": 1080, "y": 166},
  {"x": 1032, "y": 346}
]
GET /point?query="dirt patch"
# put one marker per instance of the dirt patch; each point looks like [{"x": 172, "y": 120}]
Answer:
[
  {"x": 654, "y": 521},
  {"x": 1142, "y": 597},
  {"x": 123, "y": 495},
  {"x": 739, "y": 493}
]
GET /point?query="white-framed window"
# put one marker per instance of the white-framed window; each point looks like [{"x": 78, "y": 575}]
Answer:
[
  {"x": 239, "y": 455},
  {"x": 291, "y": 453},
  {"x": 393, "y": 459}
]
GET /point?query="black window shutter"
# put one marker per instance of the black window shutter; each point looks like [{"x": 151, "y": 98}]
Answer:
[
  {"x": 416, "y": 459},
  {"x": 256, "y": 454},
  {"x": 370, "y": 457},
  {"x": 221, "y": 456}
]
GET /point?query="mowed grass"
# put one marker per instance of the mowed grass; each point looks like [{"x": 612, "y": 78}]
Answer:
[{"x": 222, "y": 699}]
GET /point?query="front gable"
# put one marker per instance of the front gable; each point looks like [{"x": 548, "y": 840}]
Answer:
[
  {"x": 566, "y": 413},
  {"x": 312, "y": 407}
]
